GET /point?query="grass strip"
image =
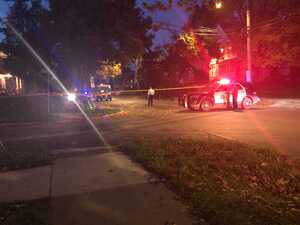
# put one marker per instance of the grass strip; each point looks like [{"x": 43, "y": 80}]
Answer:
[
  {"x": 25, "y": 213},
  {"x": 225, "y": 182},
  {"x": 23, "y": 158},
  {"x": 108, "y": 111}
]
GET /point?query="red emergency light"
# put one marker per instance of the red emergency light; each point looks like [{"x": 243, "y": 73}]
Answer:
[{"x": 224, "y": 81}]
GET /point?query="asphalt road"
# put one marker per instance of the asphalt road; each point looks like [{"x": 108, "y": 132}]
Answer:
[{"x": 278, "y": 127}]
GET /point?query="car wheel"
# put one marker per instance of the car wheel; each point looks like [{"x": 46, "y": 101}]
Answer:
[
  {"x": 247, "y": 103},
  {"x": 205, "y": 105}
]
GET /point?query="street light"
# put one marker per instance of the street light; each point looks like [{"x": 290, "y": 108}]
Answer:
[{"x": 219, "y": 5}]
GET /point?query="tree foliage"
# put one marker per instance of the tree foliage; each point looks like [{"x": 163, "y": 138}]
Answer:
[
  {"x": 180, "y": 62},
  {"x": 27, "y": 16},
  {"x": 93, "y": 31},
  {"x": 107, "y": 69},
  {"x": 158, "y": 5},
  {"x": 275, "y": 26},
  {"x": 74, "y": 35}
]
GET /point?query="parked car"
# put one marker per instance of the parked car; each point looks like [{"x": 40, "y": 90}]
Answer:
[
  {"x": 216, "y": 94},
  {"x": 100, "y": 93}
]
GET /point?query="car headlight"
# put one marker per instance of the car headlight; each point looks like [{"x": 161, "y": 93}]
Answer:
[{"x": 71, "y": 97}]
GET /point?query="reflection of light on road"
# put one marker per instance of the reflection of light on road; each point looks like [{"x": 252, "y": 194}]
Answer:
[
  {"x": 35, "y": 54},
  {"x": 263, "y": 130}
]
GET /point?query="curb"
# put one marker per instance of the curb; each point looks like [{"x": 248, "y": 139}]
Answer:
[
  {"x": 72, "y": 152},
  {"x": 282, "y": 102}
]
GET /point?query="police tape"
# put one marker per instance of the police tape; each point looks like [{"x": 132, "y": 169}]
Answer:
[
  {"x": 158, "y": 89},
  {"x": 121, "y": 91}
]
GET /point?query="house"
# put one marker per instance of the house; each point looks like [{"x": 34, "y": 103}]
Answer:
[
  {"x": 231, "y": 65},
  {"x": 9, "y": 84},
  {"x": 228, "y": 65}
]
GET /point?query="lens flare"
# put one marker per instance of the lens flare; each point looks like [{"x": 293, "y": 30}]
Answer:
[
  {"x": 219, "y": 5},
  {"x": 224, "y": 81},
  {"x": 71, "y": 97},
  {"x": 36, "y": 55}
]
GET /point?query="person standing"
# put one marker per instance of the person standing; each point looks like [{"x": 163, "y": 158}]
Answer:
[
  {"x": 234, "y": 97},
  {"x": 228, "y": 95},
  {"x": 151, "y": 93}
]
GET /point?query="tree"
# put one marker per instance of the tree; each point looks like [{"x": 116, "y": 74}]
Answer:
[
  {"x": 187, "y": 56},
  {"x": 174, "y": 64},
  {"x": 275, "y": 26},
  {"x": 99, "y": 31},
  {"x": 27, "y": 17},
  {"x": 277, "y": 42},
  {"x": 74, "y": 35},
  {"x": 151, "y": 71},
  {"x": 109, "y": 69}
]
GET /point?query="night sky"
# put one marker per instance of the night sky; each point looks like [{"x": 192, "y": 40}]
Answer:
[{"x": 175, "y": 16}]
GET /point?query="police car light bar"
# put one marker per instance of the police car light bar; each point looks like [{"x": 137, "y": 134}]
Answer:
[{"x": 224, "y": 81}]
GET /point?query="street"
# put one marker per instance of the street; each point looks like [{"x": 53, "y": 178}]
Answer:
[
  {"x": 94, "y": 181},
  {"x": 277, "y": 127},
  {"x": 264, "y": 125},
  {"x": 93, "y": 128}
]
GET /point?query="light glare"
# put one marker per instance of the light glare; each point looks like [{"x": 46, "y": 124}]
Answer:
[
  {"x": 35, "y": 54},
  {"x": 219, "y": 5},
  {"x": 71, "y": 97},
  {"x": 224, "y": 81}
]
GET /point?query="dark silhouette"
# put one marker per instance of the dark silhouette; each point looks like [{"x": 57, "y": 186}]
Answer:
[{"x": 234, "y": 97}]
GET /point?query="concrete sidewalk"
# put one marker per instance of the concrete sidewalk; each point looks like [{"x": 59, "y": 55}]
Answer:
[
  {"x": 106, "y": 187},
  {"x": 73, "y": 175}
]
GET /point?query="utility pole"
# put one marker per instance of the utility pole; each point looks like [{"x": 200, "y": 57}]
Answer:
[
  {"x": 248, "y": 75},
  {"x": 249, "y": 60}
]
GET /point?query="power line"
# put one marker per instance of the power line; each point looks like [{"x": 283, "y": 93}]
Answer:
[{"x": 208, "y": 31}]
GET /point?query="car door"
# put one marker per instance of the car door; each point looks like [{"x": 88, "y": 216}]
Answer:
[
  {"x": 241, "y": 93},
  {"x": 220, "y": 96}
]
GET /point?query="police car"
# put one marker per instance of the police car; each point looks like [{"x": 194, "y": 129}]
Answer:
[
  {"x": 103, "y": 92},
  {"x": 100, "y": 93},
  {"x": 218, "y": 95}
]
